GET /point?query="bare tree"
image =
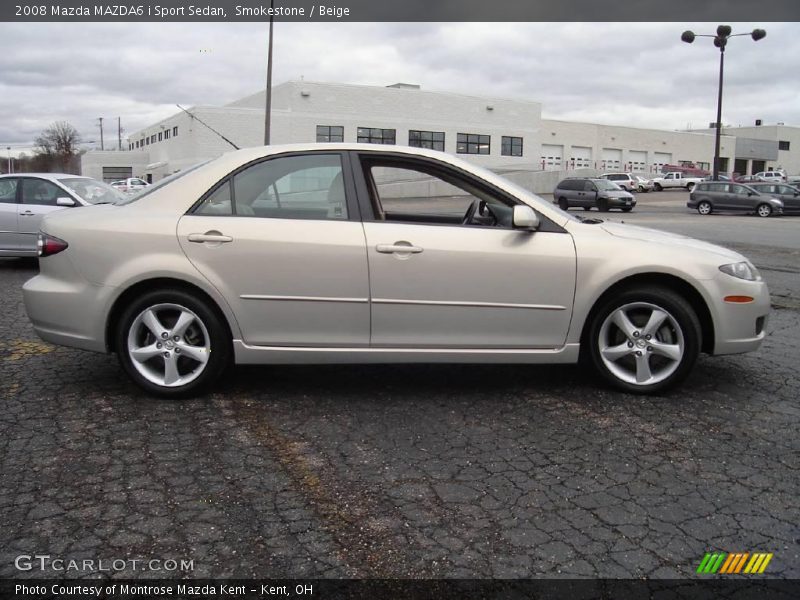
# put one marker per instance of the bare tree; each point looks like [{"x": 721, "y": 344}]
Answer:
[{"x": 57, "y": 146}]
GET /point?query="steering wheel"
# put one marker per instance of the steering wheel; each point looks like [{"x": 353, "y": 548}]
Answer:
[{"x": 479, "y": 207}]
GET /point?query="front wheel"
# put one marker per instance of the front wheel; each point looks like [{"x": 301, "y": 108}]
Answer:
[
  {"x": 764, "y": 210},
  {"x": 645, "y": 339},
  {"x": 563, "y": 204},
  {"x": 602, "y": 205},
  {"x": 657, "y": 187},
  {"x": 627, "y": 209},
  {"x": 165, "y": 341}
]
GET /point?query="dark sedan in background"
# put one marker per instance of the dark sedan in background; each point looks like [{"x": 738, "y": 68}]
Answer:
[
  {"x": 710, "y": 196},
  {"x": 788, "y": 194}
]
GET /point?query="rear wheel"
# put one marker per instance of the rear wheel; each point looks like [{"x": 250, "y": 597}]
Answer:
[
  {"x": 165, "y": 340},
  {"x": 764, "y": 210},
  {"x": 704, "y": 207},
  {"x": 645, "y": 339},
  {"x": 563, "y": 204},
  {"x": 690, "y": 186}
]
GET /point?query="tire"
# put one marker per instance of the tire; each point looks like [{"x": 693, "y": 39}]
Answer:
[
  {"x": 690, "y": 186},
  {"x": 628, "y": 359},
  {"x": 587, "y": 208},
  {"x": 188, "y": 329},
  {"x": 764, "y": 210},
  {"x": 657, "y": 187},
  {"x": 641, "y": 188},
  {"x": 602, "y": 205},
  {"x": 563, "y": 204},
  {"x": 704, "y": 207},
  {"x": 627, "y": 209}
]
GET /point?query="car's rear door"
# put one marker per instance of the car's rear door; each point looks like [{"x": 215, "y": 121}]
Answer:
[
  {"x": 436, "y": 282},
  {"x": 283, "y": 241},
  {"x": 9, "y": 231},
  {"x": 38, "y": 197}
]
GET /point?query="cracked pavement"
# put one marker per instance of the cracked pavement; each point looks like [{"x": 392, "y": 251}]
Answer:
[{"x": 400, "y": 471}]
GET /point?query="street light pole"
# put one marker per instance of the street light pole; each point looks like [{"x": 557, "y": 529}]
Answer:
[
  {"x": 721, "y": 41},
  {"x": 268, "y": 108},
  {"x": 10, "y": 166}
]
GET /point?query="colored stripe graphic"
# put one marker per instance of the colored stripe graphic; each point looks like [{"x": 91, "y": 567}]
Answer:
[
  {"x": 765, "y": 563},
  {"x": 727, "y": 564},
  {"x": 740, "y": 564},
  {"x": 734, "y": 563}
]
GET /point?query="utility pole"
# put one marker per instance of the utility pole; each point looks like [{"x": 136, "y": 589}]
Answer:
[
  {"x": 10, "y": 164},
  {"x": 101, "y": 133},
  {"x": 268, "y": 109},
  {"x": 119, "y": 133}
]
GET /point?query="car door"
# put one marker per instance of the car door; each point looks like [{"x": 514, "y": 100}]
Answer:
[
  {"x": 38, "y": 197},
  {"x": 588, "y": 195},
  {"x": 9, "y": 232},
  {"x": 282, "y": 240},
  {"x": 436, "y": 282},
  {"x": 790, "y": 197},
  {"x": 739, "y": 198}
]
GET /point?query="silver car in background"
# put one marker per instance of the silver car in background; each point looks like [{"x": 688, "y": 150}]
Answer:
[
  {"x": 356, "y": 253},
  {"x": 25, "y": 198}
]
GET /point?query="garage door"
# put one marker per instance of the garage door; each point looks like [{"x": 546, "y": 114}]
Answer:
[
  {"x": 660, "y": 159},
  {"x": 552, "y": 157},
  {"x": 611, "y": 159},
  {"x": 638, "y": 161},
  {"x": 581, "y": 157},
  {"x": 115, "y": 173}
]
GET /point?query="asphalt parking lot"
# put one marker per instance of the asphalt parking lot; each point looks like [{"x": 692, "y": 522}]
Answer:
[{"x": 411, "y": 471}]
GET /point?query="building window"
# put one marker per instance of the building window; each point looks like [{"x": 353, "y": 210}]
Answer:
[
  {"x": 371, "y": 135},
  {"x": 153, "y": 139},
  {"x": 330, "y": 133},
  {"x": 175, "y": 131},
  {"x": 783, "y": 145},
  {"x": 146, "y": 141},
  {"x": 472, "y": 143},
  {"x": 136, "y": 145},
  {"x": 160, "y": 136},
  {"x": 166, "y": 134},
  {"x": 511, "y": 146},
  {"x": 433, "y": 140}
]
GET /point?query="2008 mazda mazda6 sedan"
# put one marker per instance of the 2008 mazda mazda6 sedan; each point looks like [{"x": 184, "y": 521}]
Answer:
[{"x": 355, "y": 253}]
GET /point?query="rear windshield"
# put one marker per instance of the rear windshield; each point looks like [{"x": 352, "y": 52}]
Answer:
[
  {"x": 159, "y": 184},
  {"x": 93, "y": 191}
]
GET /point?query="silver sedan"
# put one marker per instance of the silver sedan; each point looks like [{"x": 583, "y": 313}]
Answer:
[
  {"x": 25, "y": 199},
  {"x": 350, "y": 253}
]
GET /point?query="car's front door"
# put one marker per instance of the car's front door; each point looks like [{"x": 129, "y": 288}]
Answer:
[
  {"x": 442, "y": 279},
  {"x": 282, "y": 240},
  {"x": 9, "y": 231},
  {"x": 790, "y": 197},
  {"x": 38, "y": 198}
]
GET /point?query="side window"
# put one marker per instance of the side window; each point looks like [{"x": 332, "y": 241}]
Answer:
[
  {"x": 292, "y": 187},
  {"x": 407, "y": 193},
  {"x": 218, "y": 202},
  {"x": 8, "y": 190},
  {"x": 738, "y": 189},
  {"x": 39, "y": 191},
  {"x": 588, "y": 186}
]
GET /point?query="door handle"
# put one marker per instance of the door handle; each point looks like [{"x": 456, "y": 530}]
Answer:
[
  {"x": 209, "y": 236},
  {"x": 27, "y": 213},
  {"x": 398, "y": 248}
]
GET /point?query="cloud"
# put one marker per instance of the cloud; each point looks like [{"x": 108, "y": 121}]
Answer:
[{"x": 634, "y": 74}]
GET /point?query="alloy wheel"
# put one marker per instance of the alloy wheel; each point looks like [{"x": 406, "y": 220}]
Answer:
[
  {"x": 169, "y": 345},
  {"x": 704, "y": 208},
  {"x": 641, "y": 343},
  {"x": 764, "y": 210}
]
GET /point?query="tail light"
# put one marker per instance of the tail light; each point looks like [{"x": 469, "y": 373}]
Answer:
[{"x": 49, "y": 245}]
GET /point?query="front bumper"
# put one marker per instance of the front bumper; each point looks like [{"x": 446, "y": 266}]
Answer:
[{"x": 739, "y": 327}]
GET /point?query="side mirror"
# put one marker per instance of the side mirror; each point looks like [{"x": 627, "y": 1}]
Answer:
[
  {"x": 65, "y": 201},
  {"x": 524, "y": 217}
]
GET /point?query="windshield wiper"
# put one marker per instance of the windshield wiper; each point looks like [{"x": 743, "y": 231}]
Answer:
[{"x": 589, "y": 220}]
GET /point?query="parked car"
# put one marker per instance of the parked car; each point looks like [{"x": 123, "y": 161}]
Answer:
[
  {"x": 773, "y": 176},
  {"x": 26, "y": 197},
  {"x": 720, "y": 177},
  {"x": 747, "y": 179},
  {"x": 712, "y": 196},
  {"x": 788, "y": 194},
  {"x": 676, "y": 179},
  {"x": 334, "y": 253},
  {"x": 644, "y": 184},
  {"x": 627, "y": 181},
  {"x": 131, "y": 185},
  {"x": 589, "y": 193}
]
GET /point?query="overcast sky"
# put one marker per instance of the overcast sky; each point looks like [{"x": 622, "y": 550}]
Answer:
[{"x": 625, "y": 74}]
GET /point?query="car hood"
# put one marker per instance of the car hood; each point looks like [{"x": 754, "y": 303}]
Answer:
[{"x": 646, "y": 234}]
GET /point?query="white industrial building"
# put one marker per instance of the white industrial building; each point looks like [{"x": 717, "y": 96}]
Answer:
[{"x": 502, "y": 134}]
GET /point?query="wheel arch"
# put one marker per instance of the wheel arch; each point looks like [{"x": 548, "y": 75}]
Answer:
[
  {"x": 672, "y": 282},
  {"x": 157, "y": 283}
]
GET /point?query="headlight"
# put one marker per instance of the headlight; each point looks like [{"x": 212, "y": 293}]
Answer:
[{"x": 742, "y": 270}]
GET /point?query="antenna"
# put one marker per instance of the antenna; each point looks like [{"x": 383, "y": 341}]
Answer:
[{"x": 207, "y": 125}]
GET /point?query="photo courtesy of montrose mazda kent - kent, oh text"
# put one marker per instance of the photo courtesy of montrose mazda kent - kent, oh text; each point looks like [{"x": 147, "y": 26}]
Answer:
[{"x": 352, "y": 253}]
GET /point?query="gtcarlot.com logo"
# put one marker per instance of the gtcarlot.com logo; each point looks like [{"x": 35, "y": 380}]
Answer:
[
  {"x": 46, "y": 562},
  {"x": 734, "y": 563}
]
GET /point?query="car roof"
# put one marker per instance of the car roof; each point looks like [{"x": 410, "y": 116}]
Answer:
[{"x": 53, "y": 176}]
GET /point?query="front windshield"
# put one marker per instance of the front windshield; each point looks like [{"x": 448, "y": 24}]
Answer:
[
  {"x": 161, "y": 183},
  {"x": 93, "y": 191},
  {"x": 604, "y": 184}
]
